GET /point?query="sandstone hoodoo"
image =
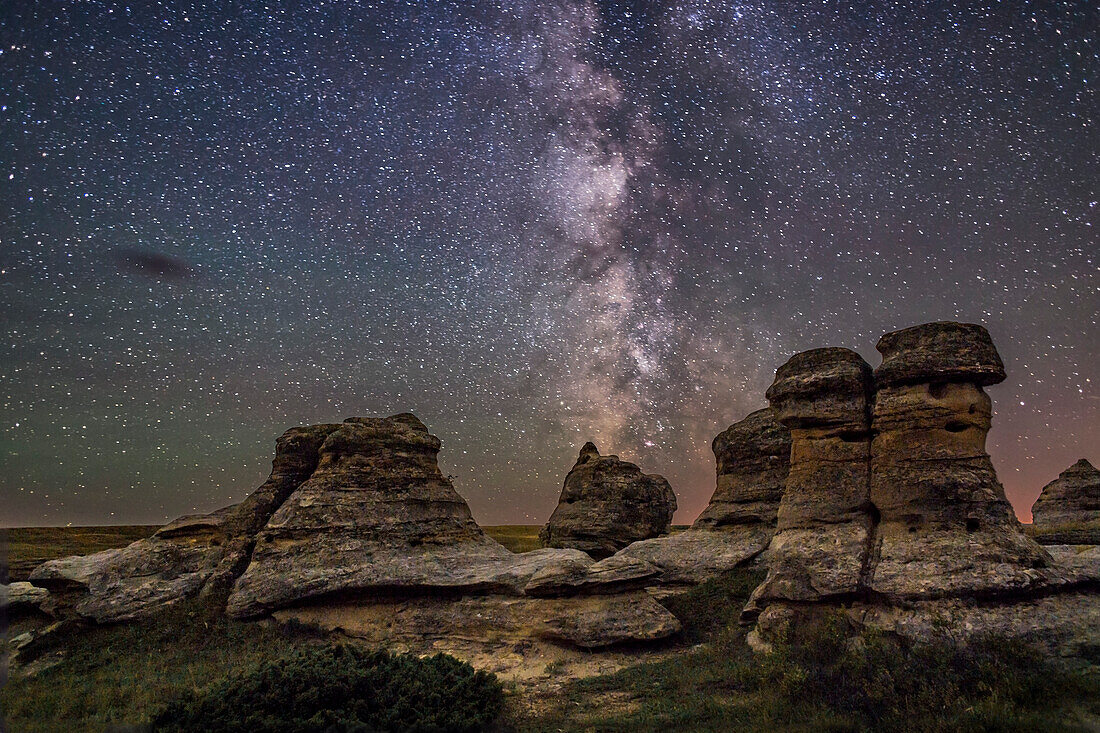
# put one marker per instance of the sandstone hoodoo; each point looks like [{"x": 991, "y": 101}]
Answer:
[
  {"x": 946, "y": 527},
  {"x": 353, "y": 516},
  {"x": 1067, "y": 511},
  {"x": 752, "y": 458},
  {"x": 375, "y": 514},
  {"x": 822, "y": 542},
  {"x": 606, "y": 504},
  {"x": 896, "y": 518}
]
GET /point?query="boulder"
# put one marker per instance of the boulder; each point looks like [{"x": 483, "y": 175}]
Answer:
[
  {"x": 141, "y": 578},
  {"x": 22, "y": 597},
  {"x": 823, "y": 535},
  {"x": 692, "y": 556},
  {"x": 945, "y": 526},
  {"x": 1068, "y": 508},
  {"x": 606, "y": 504}
]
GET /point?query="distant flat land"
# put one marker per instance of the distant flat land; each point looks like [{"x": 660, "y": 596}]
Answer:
[{"x": 29, "y": 547}]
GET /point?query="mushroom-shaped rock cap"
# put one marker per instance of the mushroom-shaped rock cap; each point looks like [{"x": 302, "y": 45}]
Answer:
[
  {"x": 821, "y": 387},
  {"x": 943, "y": 351}
]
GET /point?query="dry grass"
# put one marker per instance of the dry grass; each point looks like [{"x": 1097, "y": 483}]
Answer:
[{"x": 516, "y": 537}]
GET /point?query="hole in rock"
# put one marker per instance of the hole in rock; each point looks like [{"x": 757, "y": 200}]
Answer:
[
  {"x": 853, "y": 436},
  {"x": 937, "y": 390},
  {"x": 955, "y": 426},
  {"x": 972, "y": 524}
]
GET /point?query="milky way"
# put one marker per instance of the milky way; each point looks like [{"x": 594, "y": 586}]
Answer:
[{"x": 532, "y": 224}]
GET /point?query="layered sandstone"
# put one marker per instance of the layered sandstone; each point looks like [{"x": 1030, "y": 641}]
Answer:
[
  {"x": 823, "y": 535},
  {"x": 752, "y": 459},
  {"x": 1068, "y": 509},
  {"x": 606, "y": 504},
  {"x": 945, "y": 526}
]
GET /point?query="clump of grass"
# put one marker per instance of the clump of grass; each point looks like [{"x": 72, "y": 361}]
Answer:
[
  {"x": 342, "y": 688},
  {"x": 111, "y": 676}
]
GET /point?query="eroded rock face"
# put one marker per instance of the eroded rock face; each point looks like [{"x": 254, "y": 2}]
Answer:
[
  {"x": 945, "y": 549},
  {"x": 823, "y": 536},
  {"x": 377, "y": 517},
  {"x": 753, "y": 458},
  {"x": 189, "y": 556},
  {"x": 945, "y": 526},
  {"x": 141, "y": 578},
  {"x": 606, "y": 504},
  {"x": 1068, "y": 509}
]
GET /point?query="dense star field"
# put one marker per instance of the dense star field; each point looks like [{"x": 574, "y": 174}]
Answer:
[{"x": 532, "y": 224}]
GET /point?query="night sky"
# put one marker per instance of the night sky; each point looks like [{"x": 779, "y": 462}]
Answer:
[{"x": 532, "y": 224}]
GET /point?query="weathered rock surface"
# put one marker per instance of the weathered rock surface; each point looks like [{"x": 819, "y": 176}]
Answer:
[
  {"x": 576, "y": 577},
  {"x": 188, "y": 556},
  {"x": 589, "y": 622},
  {"x": 946, "y": 528},
  {"x": 22, "y": 597},
  {"x": 1080, "y": 563},
  {"x": 753, "y": 458},
  {"x": 823, "y": 536},
  {"x": 606, "y": 504},
  {"x": 114, "y": 585},
  {"x": 1068, "y": 509},
  {"x": 945, "y": 552},
  {"x": 377, "y": 516},
  {"x": 692, "y": 556},
  {"x": 1065, "y": 624}
]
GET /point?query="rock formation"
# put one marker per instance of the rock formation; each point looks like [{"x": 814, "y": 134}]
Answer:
[
  {"x": 354, "y": 512},
  {"x": 823, "y": 536},
  {"x": 1067, "y": 511},
  {"x": 606, "y": 504},
  {"x": 752, "y": 458},
  {"x": 114, "y": 585},
  {"x": 376, "y": 516},
  {"x": 899, "y": 521},
  {"x": 945, "y": 525},
  {"x": 22, "y": 597},
  {"x": 189, "y": 556}
]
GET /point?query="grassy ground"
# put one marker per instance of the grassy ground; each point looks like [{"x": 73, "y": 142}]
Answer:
[
  {"x": 821, "y": 680},
  {"x": 28, "y": 547}
]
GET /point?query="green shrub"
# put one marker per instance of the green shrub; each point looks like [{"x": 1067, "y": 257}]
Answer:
[{"x": 342, "y": 688}]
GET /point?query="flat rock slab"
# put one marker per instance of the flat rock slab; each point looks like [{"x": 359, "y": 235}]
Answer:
[
  {"x": 588, "y": 622},
  {"x": 693, "y": 556}
]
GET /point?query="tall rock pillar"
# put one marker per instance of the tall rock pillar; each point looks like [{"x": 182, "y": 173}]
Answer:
[
  {"x": 825, "y": 520},
  {"x": 946, "y": 528}
]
